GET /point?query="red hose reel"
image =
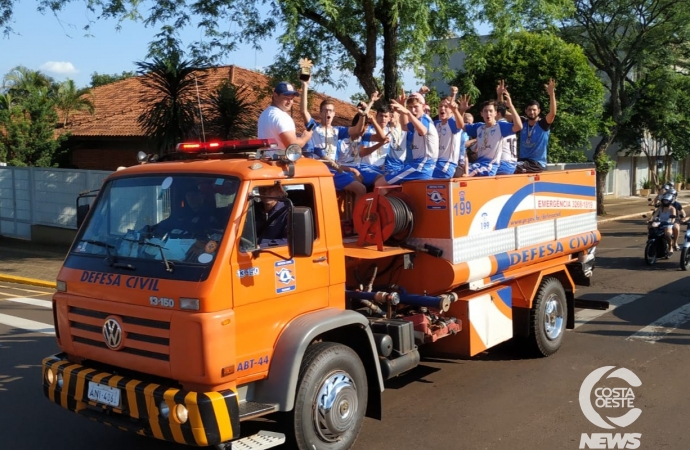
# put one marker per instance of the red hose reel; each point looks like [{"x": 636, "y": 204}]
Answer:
[{"x": 380, "y": 218}]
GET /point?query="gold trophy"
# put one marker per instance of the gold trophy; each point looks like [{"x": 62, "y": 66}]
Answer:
[{"x": 305, "y": 66}]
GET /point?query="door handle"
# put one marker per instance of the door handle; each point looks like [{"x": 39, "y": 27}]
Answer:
[{"x": 320, "y": 259}]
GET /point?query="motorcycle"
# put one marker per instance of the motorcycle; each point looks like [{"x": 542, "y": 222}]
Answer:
[
  {"x": 656, "y": 247},
  {"x": 685, "y": 251}
]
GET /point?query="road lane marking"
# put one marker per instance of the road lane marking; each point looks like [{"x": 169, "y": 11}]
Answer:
[
  {"x": 17, "y": 288},
  {"x": 663, "y": 326},
  {"x": 26, "y": 324},
  {"x": 32, "y": 301},
  {"x": 587, "y": 315}
]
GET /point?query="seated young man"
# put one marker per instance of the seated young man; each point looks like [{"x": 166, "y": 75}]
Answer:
[
  {"x": 324, "y": 142},
  {"x": 489, "y": 137},
  {"x": 422, "y": 143},
  {"x": 451, "y": 151}
]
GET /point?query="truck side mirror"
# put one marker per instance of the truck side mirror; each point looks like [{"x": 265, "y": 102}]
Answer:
[
  {"x": 301, "y": 238},
  {"x": 82, "y": 211}
]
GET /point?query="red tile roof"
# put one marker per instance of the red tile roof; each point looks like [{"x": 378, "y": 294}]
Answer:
[{"x": 117, "y": 105}]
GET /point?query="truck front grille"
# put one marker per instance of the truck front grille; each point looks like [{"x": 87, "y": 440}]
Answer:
[{"x": 142, "y": 337}]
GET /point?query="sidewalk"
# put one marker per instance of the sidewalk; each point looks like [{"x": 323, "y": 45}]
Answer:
[{"x": 37, "y": 264}]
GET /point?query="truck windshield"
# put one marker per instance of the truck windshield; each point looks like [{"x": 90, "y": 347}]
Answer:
[{"x": 174, "y": 219}]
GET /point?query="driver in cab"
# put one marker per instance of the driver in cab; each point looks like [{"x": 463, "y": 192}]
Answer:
[
  {"x": 272, "y": 216},
  {"x": 189, "y": 220},
  {"x": 190, "y": 224}
]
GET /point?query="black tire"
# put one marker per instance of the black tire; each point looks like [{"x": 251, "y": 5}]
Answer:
[
  {"x": 684, "y": 259},
  {"x": 548, "y": 317},
  {"x": 327, "y": 364},
  {"x": 650, "y": 253}
]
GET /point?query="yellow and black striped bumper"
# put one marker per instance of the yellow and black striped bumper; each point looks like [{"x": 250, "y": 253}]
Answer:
[{"x": 213, "y": 417}]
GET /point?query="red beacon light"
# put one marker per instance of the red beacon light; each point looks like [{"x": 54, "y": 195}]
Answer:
[
  {"x": 240, "y": 145},
  {"x": 264, "y": 148}
]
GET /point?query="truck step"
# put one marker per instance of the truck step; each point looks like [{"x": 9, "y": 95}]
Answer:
[
  {"x": 259, "y": 441},
  {"x": 249, "y": 410}
]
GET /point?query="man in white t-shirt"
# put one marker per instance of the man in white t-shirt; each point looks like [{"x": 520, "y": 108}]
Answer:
[{"x": 275, "y": 122}]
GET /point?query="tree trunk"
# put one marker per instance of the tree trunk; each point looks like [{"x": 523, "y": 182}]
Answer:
[
  {"x": 390, "y": 54},
  {"x": 601, "y": 176}
]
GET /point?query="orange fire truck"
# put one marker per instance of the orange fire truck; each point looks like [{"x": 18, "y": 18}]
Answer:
[{"x": 182, "y": 329}]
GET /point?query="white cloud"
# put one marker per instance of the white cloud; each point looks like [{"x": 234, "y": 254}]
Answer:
[{"x": 60, "y": 68}]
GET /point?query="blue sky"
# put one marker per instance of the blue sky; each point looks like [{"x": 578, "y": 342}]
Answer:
[{"x": 57, "y": 45}]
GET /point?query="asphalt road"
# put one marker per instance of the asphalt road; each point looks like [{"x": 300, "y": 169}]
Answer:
[{"x": 500, "y": 400}]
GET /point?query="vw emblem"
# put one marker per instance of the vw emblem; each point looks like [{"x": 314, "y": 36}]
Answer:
[{"x": 112, "y": 333}]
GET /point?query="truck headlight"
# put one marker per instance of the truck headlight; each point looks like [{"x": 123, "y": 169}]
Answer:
[
  {"x": 164, "y": 409},
  {"x": 181, "y": 413}
]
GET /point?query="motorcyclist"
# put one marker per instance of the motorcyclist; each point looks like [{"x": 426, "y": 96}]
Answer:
[
  {"x": 664, "y": 189},
  {"x": 665, "y": 214},
  {"x": 680, "y": 218}
]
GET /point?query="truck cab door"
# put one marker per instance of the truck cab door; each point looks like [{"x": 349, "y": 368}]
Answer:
[{"x": 270, "y": 288}]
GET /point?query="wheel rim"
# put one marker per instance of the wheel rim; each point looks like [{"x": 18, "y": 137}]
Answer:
[
  {"x": 336, "y": 406},
  {"x": 553, "y": 317}
]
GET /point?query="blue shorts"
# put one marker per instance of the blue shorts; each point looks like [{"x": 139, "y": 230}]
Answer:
[
  {"x": 506, "y": 168},
  {"x": 341, "y": 180},
  {"x": 393, "y": 165},
  {"x": 444, "y": 169},
  {"x": 369, "y": 173},
  {"x": 482, "y": 169},
  {"x": 408, "y": 173}
]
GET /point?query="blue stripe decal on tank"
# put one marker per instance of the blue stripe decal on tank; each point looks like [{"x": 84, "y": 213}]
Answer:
[
  {"x": 502, "y": 262},
  {"x": 506, "y": 295},
  {"x": 539, "y": 187}
]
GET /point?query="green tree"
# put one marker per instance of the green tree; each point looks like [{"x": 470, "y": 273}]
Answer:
[
  {"x": 659, "y": 126},
  {"x": 27, "y": 119},
  {"x": 171, "y": 104},
  {"x": 70, "y": 99},
  {"x": 350, "y": 36},
  {"x": 626, "y": 41},
  {"x": 27, "y": 136},
  {"x": 101, "y": 79},
  {"x": 230, "y": 112},
  {"x": 526, "y": 61}
]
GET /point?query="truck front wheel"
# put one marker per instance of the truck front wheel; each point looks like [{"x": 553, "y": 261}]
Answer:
[
  {"x": 548, "y": 317},
  {"x": 331, "y": 398}
]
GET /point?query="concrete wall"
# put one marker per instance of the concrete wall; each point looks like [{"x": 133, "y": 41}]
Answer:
[{"x": 36, "y": 202}]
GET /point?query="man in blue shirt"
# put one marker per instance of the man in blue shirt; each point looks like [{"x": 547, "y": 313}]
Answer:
[{"x": 534, "y": 137}]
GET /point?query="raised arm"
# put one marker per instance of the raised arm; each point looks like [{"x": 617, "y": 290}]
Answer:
[
  {"x": 459, "y": 110},
  {"x": 551, "y": 89},
  {"x": 517, "y": 122},
  {"x": 358, "y": 128},
  {"x": 303, "y": 104}
]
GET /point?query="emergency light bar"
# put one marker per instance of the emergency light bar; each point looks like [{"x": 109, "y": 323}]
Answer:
[{"x": 224, "y": 146}]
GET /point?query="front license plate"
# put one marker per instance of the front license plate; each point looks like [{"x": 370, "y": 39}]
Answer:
[{"x": 104, "y": 394}]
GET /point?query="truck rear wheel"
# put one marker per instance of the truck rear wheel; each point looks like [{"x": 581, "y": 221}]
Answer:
[
  {"x": 331, "y": 398},
  {"x": 548, "y": 317}
]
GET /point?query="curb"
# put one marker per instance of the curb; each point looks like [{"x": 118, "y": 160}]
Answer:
[
  {"x": 23, "y": 280},
  {"x": 627, "y": 216}
]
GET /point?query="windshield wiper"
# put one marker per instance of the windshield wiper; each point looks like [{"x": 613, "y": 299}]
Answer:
[
  {"x": 168, "y": 265},
  {"x": 111, "y": 259}
]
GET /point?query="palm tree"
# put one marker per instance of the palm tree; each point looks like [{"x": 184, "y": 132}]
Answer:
[
  {"x": 171, "y": 106},
  {"x": 230, "y": 112},
  {"x": 21, "y": 81},
  {"x": 69, "y": 99}
]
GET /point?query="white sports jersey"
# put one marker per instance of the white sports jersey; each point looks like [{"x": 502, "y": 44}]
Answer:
[
  {"x": 449, "y": 136},
  {"x": 489, "y": 139},
  {"x": 327, "y": 138},
  {"x": 377, "y": 157},
  {"x": 509, "y": 147},
  {"x": 422, "y": 148}
]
